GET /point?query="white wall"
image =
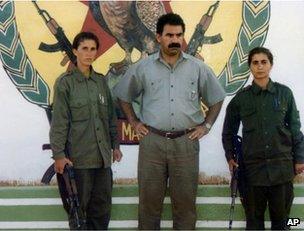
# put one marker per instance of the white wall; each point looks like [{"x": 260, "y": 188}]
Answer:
[{"x": 24, "y": 127}]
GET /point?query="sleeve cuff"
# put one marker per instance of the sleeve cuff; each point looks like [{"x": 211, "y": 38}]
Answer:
[
  {"x": 228, "y": 156},
  {"x": 299, "y": 160},
  {"x": 115, "y": 145},
  {"x": 58, "y": 155}
]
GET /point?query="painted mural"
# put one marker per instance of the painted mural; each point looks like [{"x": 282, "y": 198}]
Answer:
[
  {"x": 35, "y": 48},
  {"x": 35, "y": 40}
]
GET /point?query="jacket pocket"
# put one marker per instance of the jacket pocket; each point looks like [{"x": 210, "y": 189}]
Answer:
[
  {"x": 284, "y": 136},
  {"x": 103, "y": 106},
  {"x": 248, "y": 118},
  {"x": 80, "y": 110},
  {"x": 280, "y": 113}
]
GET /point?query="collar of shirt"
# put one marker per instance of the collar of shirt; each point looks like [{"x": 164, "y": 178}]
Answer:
[
  {"x": 157, "y": 56},
  {"x": 257, "y": 89},
  {"x": 80, "y": 77}
]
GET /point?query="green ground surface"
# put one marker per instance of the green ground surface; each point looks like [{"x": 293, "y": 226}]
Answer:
[
  {"x": 125, "y": 212},
  {"x": 209, "y": 212},
  {"x": 118, "y": 191}
]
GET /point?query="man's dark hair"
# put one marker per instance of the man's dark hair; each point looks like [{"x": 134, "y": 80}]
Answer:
[
  {"x": 171, "y": 19},
  {"x": 84, "y": 36},
  {"x": 259, "y": 50}
]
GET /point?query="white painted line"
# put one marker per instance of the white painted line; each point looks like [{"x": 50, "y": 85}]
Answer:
[
  {"x": 34, "y": 225},
  {"x": 216, "y": 200},
  {"x": 298, "y": 200},
  {"x": 124, "y": 200},
  {"x": 124, "y": 224},
  {"x": 235, "y": 224},
  {"x": 30, "y": 201}
]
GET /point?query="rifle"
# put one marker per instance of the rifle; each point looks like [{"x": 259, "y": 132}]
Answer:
[
  {"x": 63, "y": 43},
  {"x": 198, "y": 38},
  {"x": 71, "y": 197},
  {"x": 50, "y": 172},
  {"x": 48, "y": 175},
  {"x": 237, "y": 179}
]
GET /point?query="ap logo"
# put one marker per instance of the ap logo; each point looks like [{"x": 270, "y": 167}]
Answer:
[{"x": 293, "y": 222}]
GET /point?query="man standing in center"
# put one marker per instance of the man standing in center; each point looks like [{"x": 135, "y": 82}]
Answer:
[{"x": 170, "y": 124}]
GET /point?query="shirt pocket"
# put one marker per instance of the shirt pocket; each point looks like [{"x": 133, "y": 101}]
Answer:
[
  {"x": 103, "y": 106},
  {"x": 192, "y": 90},
  {"x": 280, "y": 113},
  {"x": 248, "y": 118},
  {"x": 284, "y": 137},
  {"x": 80, "y": 110},
  {"x": 188, "y": 89},
  {"x": 156, "y": 87}
]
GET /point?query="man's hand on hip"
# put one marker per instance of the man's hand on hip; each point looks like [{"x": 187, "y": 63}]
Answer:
[
  {"x": 140, "y": 129},
  {"x": 199, "y": 132}
]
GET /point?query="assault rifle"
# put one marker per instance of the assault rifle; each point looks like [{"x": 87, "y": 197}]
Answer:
[
  {"x": 237, "y": 179},
  {"x": 50, "y": 172},
  {"x": 71, "y": 197},
  {"x": 63, "y": 43},
  {"x": 198, "y": 38}
]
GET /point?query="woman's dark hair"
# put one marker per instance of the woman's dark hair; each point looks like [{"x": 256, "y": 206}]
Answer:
[
  {"x": 258, "y": 50},
  {"x": 84, "y": 36}
]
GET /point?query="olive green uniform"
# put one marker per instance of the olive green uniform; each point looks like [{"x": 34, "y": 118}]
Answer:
[
  {"x": 84, "y": 127},
  {"x": 272, "y": 142}
]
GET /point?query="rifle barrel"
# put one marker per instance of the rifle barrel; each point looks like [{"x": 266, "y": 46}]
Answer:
[
  {"x": 36, "y": 5},
  {"x": 42, "y": 13},
  {"x": 212, "y": 9},
  {"x": 231, "y": 212}
]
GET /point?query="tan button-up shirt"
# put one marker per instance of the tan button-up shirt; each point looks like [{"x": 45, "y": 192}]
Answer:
[{"x": 171, "y": 96}]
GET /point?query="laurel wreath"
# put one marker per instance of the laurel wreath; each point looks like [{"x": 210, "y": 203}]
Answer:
[
  {"x": 15, "y": 61},
  {"x": 253, "y": 32},
  {"x": 25, "y": 77}
]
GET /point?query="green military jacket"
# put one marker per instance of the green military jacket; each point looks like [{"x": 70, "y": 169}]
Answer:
[
  {"x": 84, "y": 120},
  {"x": 272, "y": 140}
]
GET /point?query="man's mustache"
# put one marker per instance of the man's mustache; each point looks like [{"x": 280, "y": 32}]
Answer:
[{"x": 174, "y": 45}]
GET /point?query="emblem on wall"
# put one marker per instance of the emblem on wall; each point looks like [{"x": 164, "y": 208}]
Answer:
[{"x": 35, "y": 40}]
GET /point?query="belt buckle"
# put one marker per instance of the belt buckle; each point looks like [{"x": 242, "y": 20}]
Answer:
[{"x": 167, "y": 134}]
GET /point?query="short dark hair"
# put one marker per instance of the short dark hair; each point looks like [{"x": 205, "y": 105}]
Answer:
[
  {"x": 171, "y": 19},
  {"x": 258, "y": 50},
  {"x": 84, "y": 36}
]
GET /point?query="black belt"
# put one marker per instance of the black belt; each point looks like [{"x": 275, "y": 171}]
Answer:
[{"x": 171, "y": 134}]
